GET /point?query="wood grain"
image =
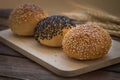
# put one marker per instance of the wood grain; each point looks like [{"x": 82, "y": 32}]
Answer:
[
  {"x": 54, "y": 59},
  {"x": 26, "y": 69},
  {"x": 4, "y": 13},
  {"x": 11, "y": 58},
  {"x": 7, "y": 51}
]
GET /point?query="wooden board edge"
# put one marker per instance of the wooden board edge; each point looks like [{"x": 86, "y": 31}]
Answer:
[
  {"x": 54, "y": 69},
  {"x": 35, "y": 59}
]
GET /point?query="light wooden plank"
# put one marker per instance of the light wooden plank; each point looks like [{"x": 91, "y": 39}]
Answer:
[{"x": 54, "y": 59}]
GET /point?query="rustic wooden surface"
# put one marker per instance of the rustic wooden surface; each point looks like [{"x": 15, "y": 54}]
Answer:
[
  {"x": 54, "y": 59},
  {"x": 14, "y": 66}
]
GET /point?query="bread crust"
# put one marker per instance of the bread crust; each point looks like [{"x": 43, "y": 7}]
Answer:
[
  {"x": 51, "y": 30},
  {"x": 24, "y": 18},
  {"x": 86, "y": 42}
]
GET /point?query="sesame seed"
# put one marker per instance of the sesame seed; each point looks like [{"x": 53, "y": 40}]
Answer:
[
  {"x": 52, "y": 26},
  {"x": 86, "y": 42},
  {"x": 27, "y": 13}
]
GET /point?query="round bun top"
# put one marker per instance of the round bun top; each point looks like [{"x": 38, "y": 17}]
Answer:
[
  {"x": 26, "y": 13},
  {"x": 86, "y": 42},
  {"x": 52, "y": 26}
]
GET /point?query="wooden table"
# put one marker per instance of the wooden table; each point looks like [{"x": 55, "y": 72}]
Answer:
[{"x": 14, "y": 66}]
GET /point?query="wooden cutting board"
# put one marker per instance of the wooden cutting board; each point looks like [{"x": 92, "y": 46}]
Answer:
[{"x": 54, "y": 59}]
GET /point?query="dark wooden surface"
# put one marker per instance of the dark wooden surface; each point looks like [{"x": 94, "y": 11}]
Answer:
[{"x": 14, "y": 66}]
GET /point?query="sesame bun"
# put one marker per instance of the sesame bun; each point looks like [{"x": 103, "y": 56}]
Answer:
[
  {"x": 86, "y": 42},
  {"x": 23, "y": 19},
  {"x": 51, "y": 30}
]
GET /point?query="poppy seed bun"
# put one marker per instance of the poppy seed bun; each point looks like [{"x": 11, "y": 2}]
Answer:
[
  {"x": 23, "y": 19},
  {"x": 50, "y": 31},
  {"x": 86, "y": 42}
]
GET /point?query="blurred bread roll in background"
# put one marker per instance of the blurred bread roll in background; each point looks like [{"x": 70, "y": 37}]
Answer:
[{"x": 24, "y": 18}]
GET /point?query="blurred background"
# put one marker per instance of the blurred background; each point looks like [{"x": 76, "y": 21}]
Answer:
[{"x": 59, "y": 6}]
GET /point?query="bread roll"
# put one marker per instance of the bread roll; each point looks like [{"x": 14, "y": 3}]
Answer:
[
  {"x": 86, "y": 42},
  {"x": 51, "y": 30},
  {"x": 24, "y": 18}
]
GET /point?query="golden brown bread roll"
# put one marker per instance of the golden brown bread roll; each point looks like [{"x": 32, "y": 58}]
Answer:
[
  {"x": 50, "y": 31},
  {"x": 23, "y": 19},
  {"x": 86, "y": 42}
]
